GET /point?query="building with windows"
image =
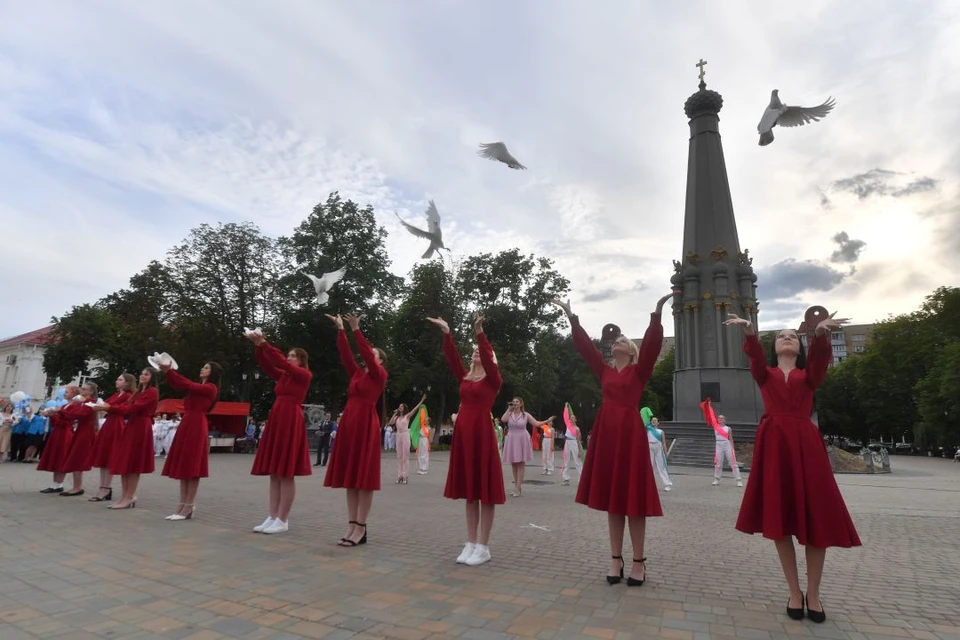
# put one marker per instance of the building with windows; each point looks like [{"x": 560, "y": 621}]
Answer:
[{"x": 21, "y": 365}]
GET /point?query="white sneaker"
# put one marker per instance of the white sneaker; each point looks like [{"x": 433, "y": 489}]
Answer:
[
  {"x": 264, "y": 525},
  {"x": 715, "y": 482},
  {"x": 565, "y": 483},
  {"x": 739, "y": 483},
  {"x": 278, "y": 526},
  {"x": 668, "y": 487},
  {"x": 479, "y": 556},
  {"x": 468, "y": 550}
]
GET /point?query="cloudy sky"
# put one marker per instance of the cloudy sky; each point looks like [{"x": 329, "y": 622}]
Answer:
[{"x": 125, "y": 124}]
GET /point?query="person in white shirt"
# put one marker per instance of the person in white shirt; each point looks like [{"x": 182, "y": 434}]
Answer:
[
  {"x": 171, "y": 432},
  {"x": 571, "y": 447},
  {"x": 724, "y": 452},
  {"x": 160, "y": 427},
  {"x": 546, "y": 448},
  {"x": 658, "y": 457}
]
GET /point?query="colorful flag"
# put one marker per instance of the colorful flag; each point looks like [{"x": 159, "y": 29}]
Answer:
[
  {"x": 711, "y": 418},
  {"x": 418, "y": 427}
]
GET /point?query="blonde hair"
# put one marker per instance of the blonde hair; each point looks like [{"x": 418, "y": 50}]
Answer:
[
  {"x": 473, "y": 366},
  {"x": 632, "y": 346}
]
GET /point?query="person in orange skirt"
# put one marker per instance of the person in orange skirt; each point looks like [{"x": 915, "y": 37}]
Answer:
[
  {"x": 282, "y": 453},
  {"x": 58, "y": 442},
  {"x": 617, "y": 476},
  {"x": 355, "y": 461},
  {"x": 109, "y": 435},
  {"x": 133, "y": 453},
  {"x": 187, "y": 458},
  {"x": 80, "y": 452},
  {"x": 474, "y": 474},
  {"x": 791, "y": 490}
]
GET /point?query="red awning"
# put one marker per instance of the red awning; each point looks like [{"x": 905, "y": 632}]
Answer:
[{"x": 175, "y": 405}]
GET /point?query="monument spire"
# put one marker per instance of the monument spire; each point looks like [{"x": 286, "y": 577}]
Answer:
[{"x": 714, "y": 279}]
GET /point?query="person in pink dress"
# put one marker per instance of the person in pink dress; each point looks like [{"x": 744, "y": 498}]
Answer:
[
  {"x": 187, "y": 459},
  {"x": 474, "y": 474},
  {"x": 282, "y": 452},
  {"x": 109, "y": 435},
  {"x": 133, "y": 455},
  {"x": 791, "y": 491},
  {"x": 80, "y": 452},
  {"x": 58, "y": 443},
  {"x": 617, "y": 475},
  {"x": 517, "y": 448},
  {"x": 355, "y": 462},
  {"x": 401, "y": 422}
]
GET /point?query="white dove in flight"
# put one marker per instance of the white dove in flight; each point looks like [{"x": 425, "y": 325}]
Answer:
[
  {"x": 323, "y": 284},
  {"x": 498, "y": 151},
  {"x": 778, "y": 113},
  {"x": 433, "y": 233}
]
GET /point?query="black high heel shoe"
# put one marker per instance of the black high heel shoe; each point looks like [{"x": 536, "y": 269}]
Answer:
[
  {"x": 350, "y": 543},
  {"x": 616, "y": 579},
  {"x": 796, "y": 614},
  {"x": 633, "y": 582},
  {"x": 343, "y": 541},
  {"x": 816, "y": 616}
]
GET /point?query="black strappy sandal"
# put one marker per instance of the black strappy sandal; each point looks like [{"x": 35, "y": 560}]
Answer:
[
  {"x": 363, "y": 540},
  {"x": 616, "y": 579},
  {"x": 633, "y": 582},
  {"x": 343, "y": 541}
]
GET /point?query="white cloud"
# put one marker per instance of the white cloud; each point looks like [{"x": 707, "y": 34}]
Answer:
[{"x": 146, "y": 120}]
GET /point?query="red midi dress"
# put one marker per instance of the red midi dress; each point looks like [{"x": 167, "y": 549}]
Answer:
[
  {"x": 617, "y": 476},
  {"x": 133, "y": 453},
  {"x": 283, "y": 448},
  {"x": 187, "y": 458},
  {"x": 58, "y": 443},
  {"x": 355, "y": 462},
  {"x": 475, "y": 472},
  {"x": 80, "y": 452},
  {"x": 109, "y": 433},
  {"x": 791, "y": 490}
]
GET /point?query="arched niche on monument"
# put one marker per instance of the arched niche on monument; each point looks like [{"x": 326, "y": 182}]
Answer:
[{"x": 610, "y": 333}]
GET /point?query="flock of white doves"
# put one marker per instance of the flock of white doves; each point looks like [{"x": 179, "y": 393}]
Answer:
[{"x": 776, "y": 113}]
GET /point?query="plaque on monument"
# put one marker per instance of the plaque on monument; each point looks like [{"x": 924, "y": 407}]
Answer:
[{"x": 610, "y": 333}]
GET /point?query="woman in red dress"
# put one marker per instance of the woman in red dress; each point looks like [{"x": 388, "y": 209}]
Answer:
[
  {"x": 58, "y": 442},
  {"x": 355, "y": 462},
  {"x": 282, "y": 452},
  {"x": 617, "y": 476},
  {"x": 791, "y": 490},
  {"x": 133, "y": 454},
  {"x": 80, "y": 452},
  {"x": 187, "y": 459},
  {"x": 475, "y": 474},
  {"x": 109, "y": 435}
]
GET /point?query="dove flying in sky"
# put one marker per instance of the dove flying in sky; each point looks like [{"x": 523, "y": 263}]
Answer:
[
  {"x": 498, "y": 151},
  {"x": 778, "y": 113},
  {"x": 433, "y": 233},
  {"x": 323, "y": 284}
]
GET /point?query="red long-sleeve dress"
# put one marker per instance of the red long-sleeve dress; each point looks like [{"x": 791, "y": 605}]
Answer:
[
  {"x": 283, "y": 447},
  {"x": 80, "y": 452},
  {"x": 791, "y": 490},
  {"x": 109, "y": 433},
  {"x": 58, "y": 443},
  {"x": 355, "y": 461},
  {"x": 134, "y": 450},
  {"x": 617, "y": 476},
  {"x": 189, "y": 452},
  {"x": 475, "y": 471}
]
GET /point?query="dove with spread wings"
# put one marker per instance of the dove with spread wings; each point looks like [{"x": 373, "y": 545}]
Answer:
[
  {"x": 778, "y": 113},
  {"x": 323, "y": 284},
  {"x": 498, "y": 151},
  {"x": 433, "y": 233}
]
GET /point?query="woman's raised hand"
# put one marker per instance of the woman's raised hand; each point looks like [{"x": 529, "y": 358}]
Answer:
[
  {"x": 440, "y": 322},
  {"x": 743, "y": 322},
  {"x": 563, "y": 305},
  {"x": 478, "y": 323},
  {"x": 828, "y": 325},
  {"x": 662, "y": 301},
  {"x": 337, "y": 320},
  {"x": 353, "y": 320}
]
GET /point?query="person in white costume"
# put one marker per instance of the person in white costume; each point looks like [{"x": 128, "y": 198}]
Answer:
[
  {"x": 571, "y": 446},
  {"x": 160, "y": 427},
  {"x": 171, "y": 432},
  {"x": 546, "y": 449},
  {"x": 724, "y": 452},
  {"x": 657, "y": 441}
]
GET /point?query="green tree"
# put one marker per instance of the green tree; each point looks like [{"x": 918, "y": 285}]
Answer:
[
  {"x": 660, "y": 387},
  {"x": 841, "y": 404},
  {"x": 87, "y": 332},
  {"x": 938, "y": 400}
]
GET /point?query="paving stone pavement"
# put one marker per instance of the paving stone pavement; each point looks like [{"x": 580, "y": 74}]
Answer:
[{"x": 72, "y": 570}]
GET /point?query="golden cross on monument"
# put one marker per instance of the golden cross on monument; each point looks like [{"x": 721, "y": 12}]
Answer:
[{"x": 701, "y": 64}]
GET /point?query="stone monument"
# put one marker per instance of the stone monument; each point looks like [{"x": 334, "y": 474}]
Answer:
[{"x": 713, "y": 279}]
